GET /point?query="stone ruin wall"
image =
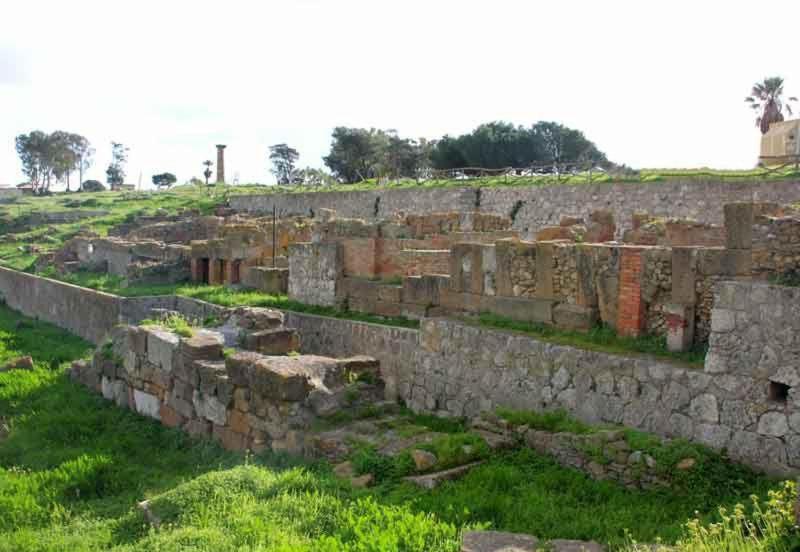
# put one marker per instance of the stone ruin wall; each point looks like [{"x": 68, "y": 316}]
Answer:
[
  {"x": 254, "y": 399},
  {"x": 536, "y": 206},
  {"x": 656, "y": 290},
  {"x": 745, "y": 400}
]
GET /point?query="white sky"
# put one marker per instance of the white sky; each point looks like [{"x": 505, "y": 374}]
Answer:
[{"x": 653, "y": 84}]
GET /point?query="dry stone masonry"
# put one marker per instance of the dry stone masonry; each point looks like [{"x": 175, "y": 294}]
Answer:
[{"x": 254, "y": 398}]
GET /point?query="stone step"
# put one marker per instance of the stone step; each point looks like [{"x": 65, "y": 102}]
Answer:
[
  {"x": 433, "y": 480},
  {"x": 501, "y": 541},
  {"x": 496, "y": 441}
]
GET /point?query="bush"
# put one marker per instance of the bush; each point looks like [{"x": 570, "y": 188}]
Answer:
[{"x": 93, "y": 186}]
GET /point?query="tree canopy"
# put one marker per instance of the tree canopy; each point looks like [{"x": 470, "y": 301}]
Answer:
[
  {"x": 47, "y": 157},
  {"x": 115, "y": 173},
  {"x": 283, "y": 159},
  {"x": 500, "y": 144},
  {"x": 358, "y": 154},
  {"x": 164, "y": 180}
]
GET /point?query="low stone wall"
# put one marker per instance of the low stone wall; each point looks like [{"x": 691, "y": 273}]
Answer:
[
  {"x": 537, "y": 206},
  {"x": 245, "y": 400},
  {"x": 462, "y": 370},
  {"x": 393, "y": 347},
  {"x": 83, "y": 312}
]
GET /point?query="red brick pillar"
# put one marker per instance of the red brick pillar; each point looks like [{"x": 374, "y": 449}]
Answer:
[
  {"x": 227, "y": 272},
  {"x": 630, "y": 310}
]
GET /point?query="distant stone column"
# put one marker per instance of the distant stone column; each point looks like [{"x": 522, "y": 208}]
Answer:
[{"x": 220, "y": 163}]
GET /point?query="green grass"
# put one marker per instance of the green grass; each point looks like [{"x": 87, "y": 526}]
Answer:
[
  {"x": 174, "y": 322},
  {"x": 554, "y": 421},
  {"x": 601, "y": 338},
  {"x": 73, "y": 468}
]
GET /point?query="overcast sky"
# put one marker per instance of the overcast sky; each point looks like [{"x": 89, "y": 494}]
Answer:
[{"x": 653, "y": 84}]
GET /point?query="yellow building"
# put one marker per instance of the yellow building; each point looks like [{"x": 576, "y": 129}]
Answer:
[{"x": 781, "y": 144}]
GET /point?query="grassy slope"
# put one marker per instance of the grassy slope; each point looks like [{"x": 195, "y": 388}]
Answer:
[{"x": 74, "y": 467}]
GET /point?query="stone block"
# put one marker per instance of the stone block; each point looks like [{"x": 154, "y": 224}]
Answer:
[
  {"x": 209, "y": 408},
  {"x": 240, "y": 365},
  {"x": 680, "y": 326},
  {"x": 273, "y": 342},
  {"x": 209, "y": 372},
  {"x": 198, "y": 428},
  {"x": 137, "y": 340},
  {"x": 383, "y": 308},
  {"x": 424, "y": 290},
  {"x": 203, "y": 345},
  {"x": 258, "y": 318},
  {"x": 229, "y": 439},
  {"x": 162, "y": 347},
  {"x": 521, "y": 309},
  {"x": 390, "y": 294},
  {"x": 574, "y": 317},
  {"x": 147, "y": 404},
  {"x": 170, "y": 417},
  {"x": 238, "y": 422},
  {"x": 498, "y": 541},
  {"x": 683, "y": 276},
  {"x": 270, "y": 280},
  {"x": 280, "y": 378},
  {"x": 739, "y": 219}
]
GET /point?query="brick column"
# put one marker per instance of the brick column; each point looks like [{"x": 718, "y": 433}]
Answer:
[
  {"x": 221, "y": 164},
  {"x": 630, "y": 311},
  {"x": 215, "y": 272}
]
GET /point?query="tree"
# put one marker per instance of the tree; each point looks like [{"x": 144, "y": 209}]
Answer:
[
  {"x": 207, "y": 171},
  {"x": 313, "y": 177},
  {"x": 164, "y": 180},
  {"x": 115, "y": 173},
  {"x": 353, "y": 156},
  {"x": 499, "y": 144},
  {"x": 46, "y": 156},
  {"x": 92, "y": 186},
  {"x": 766, "y": 98},
  {"x": 563, "y": 145},
  {"x": 283, "y": 159},
  {"x": 359, "y": 154}
]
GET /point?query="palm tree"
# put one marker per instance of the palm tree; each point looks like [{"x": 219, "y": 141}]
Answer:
[{"x": 766, "y": 98}]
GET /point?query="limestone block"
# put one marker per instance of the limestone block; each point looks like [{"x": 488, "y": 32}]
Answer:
[
  {"x": 523, "y": 309},
  {"x": 273, "y": 342},
  {"x": 258, "y": 318},
  {"x": 739, "y": 219},
  {"x": 574, "y": 317},
  {"x": 280, "y": 378},
  {"x": 683, "y": 276},
  {"x": 497, "y": 541},
  {"x": 680, "y": 326},
  {"x": 209, "y": 408},
  {"x": 162, "y": 348},
  {"x": 703, "y": 408},
  {"x": 773, "y": 424},
  {"x": 147, "y": 404},
  {"x": 202, "y": 345},
  {"x": 240, "y": 365}
]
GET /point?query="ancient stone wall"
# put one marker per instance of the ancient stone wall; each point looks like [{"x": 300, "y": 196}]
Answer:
[
  {"x": 315, "y": 271},
  {"x": 84, "y": 312},
  {"x": 246, "y": 400},
  {"x": 538, "y": 206},
  {"x": 463, "y": 370}
]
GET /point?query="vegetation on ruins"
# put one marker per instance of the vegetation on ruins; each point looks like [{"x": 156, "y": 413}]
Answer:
[
  {"x": 283, "y": 159},
  {"x": 766, "y": 99},
  {"x": 73, "y": 468},
  {"x": 47, "y": 157},
  {"x": 92, "y": 186},
  {"x": 115, "y": 173}
]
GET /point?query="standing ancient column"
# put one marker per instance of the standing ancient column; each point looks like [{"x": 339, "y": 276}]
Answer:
[{"x": 220, "y": 164}]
